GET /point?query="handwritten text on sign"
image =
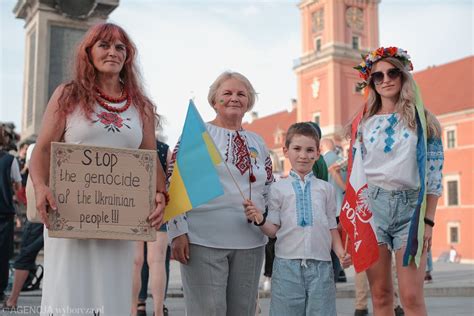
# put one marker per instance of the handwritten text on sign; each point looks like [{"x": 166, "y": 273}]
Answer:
[{"x": 104, "y": 193}]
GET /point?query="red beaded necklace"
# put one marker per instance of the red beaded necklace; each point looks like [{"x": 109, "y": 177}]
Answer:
[
  {"x": 106, "y": 97},
  {"x": 101, "y": 96}
]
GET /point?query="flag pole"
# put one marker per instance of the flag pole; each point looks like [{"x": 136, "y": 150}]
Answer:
[
  {"x": 346, "y": 242},
  {"x": 236, "y": 184},
  {"x": 233, "y": 179}
]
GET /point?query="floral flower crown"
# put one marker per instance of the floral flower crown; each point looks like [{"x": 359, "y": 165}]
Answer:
[{"x": 365, "y": 67}]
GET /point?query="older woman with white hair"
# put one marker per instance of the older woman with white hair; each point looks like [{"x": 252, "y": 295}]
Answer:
[{"x": 221, "y": 253}]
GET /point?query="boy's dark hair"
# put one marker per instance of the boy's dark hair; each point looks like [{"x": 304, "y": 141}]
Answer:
[{"x": 305, "y": 129}]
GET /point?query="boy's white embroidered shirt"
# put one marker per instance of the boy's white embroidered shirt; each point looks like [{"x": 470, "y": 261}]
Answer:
[{"x": 305, "y": 210}]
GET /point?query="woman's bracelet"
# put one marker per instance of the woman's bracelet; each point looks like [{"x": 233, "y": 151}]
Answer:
[
  {"x": 167, "y": 196},
  {"x": 429, "y": 222},
  {"x": 263, "y": 220}
]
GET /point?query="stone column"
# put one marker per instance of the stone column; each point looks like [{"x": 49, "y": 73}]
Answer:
[{"x": 53, "y": 29}]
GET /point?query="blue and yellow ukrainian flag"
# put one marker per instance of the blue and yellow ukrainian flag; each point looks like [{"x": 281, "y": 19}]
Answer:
[{"x": 194, "y": 180}]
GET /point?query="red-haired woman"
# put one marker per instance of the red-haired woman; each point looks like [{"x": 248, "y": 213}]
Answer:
[{"x": 103, "y": 105}]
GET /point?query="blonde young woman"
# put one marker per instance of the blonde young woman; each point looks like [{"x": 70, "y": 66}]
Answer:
[{"x": 402, "y": 159}]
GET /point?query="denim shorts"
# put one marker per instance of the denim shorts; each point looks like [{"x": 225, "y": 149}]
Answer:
[
  {"x": 163, "y": 228},
  {"x": 392, "y": 211},
  {"x": 302, "y": 287}
]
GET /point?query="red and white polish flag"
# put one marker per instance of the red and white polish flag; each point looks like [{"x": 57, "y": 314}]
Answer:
[{"x": 356, "y": 217}]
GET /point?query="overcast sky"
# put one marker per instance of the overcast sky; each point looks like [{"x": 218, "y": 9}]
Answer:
[{"x": 184, "y": 45}]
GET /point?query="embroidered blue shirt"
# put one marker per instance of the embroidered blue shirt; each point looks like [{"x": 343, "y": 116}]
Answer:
[
  {"x": 390, "y": 155},
  {"x": 305, "y": 210}
]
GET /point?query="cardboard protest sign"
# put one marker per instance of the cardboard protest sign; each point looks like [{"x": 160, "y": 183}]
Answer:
[{"x": 102, "y": 193}]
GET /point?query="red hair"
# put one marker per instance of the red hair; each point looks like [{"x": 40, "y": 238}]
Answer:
[{"x": 81, "y": 92}]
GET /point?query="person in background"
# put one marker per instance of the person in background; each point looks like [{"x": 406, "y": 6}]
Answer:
[
  {"x": 10, "y": 182},
  {"x": 337, "y": 169},
  {"x": 156, "y": 264},
  {"x": 320, "y": 168},
  {"x": 22, "y": 152},
  {"x": 214, "y": 241},
  {"x": 362, "y": 293},
  {"x": 429, "y": 268},
  {"x": 31, "y": 243},
  {"x": 104, "y": 105},
  {"x": 143, "y": 295},
  {"x": 454, "y": 256},
  {"x": 268, "y": 267}
]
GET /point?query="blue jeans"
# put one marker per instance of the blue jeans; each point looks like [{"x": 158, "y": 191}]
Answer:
[{"x": 302, "y": 287}]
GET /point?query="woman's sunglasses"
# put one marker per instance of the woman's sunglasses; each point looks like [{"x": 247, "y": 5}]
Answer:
[{"x": 378, "y": 77}]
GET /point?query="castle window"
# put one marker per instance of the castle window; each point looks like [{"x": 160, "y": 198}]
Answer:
[
  {"x": 355, "y": 42},
  {"x": 452, "y": 189},
  {"x": 317, "y": 44},
  {"x": 317, "y": 118},
  {"x": 453, "y": 233},
  {"x": 452, "y": 192},
  {"x": 450, "y": 136}
]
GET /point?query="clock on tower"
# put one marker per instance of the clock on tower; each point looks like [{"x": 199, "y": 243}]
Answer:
[{"x": 355, "y": 18}]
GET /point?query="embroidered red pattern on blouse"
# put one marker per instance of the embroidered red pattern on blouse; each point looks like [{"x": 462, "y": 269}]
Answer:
[{"x": 240, "y": 153}]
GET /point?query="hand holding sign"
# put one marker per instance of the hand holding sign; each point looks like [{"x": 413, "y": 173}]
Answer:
[
  {"x": 156, "y": 218},
  {"x": 44, "y": 200}
]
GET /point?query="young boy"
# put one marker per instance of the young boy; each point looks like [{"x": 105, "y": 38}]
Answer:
[{"x": 302, "y": 215}]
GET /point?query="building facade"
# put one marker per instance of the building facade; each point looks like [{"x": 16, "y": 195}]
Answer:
[{"x": 452, "y": 101}]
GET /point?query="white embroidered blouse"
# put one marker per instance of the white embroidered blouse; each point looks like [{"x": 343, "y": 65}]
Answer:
[
  {"x": 221, "y": 223},
  {"x": 390, "y": 157}
]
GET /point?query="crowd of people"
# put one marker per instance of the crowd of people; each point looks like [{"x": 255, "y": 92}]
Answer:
[{"x": 221, "y": 244}]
